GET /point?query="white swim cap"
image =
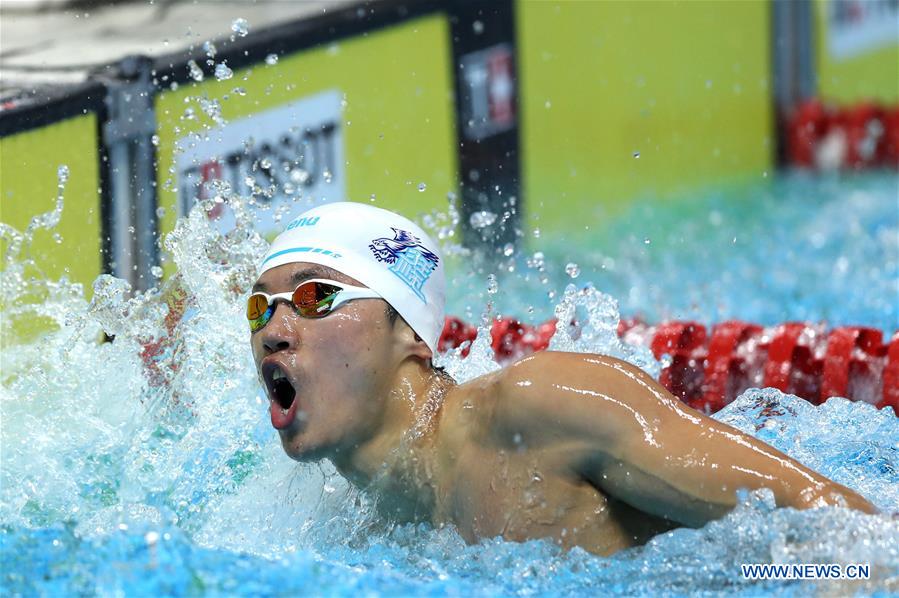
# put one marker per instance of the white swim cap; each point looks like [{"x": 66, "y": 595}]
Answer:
[{"x": 384, "y": 251}]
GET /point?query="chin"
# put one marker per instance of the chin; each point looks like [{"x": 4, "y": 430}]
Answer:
[{"x": 302, "y": 450}]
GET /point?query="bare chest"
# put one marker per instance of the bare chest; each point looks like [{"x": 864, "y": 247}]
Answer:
[{"x": 521, "y": 495}]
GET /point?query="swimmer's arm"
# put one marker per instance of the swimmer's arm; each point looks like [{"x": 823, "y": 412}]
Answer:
[{"x": 631, "y": 438}]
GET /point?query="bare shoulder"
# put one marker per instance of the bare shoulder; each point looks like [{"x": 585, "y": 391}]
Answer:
[
  {"x": 540, "y": 379},
  {"x": 580, "y": 394},
  {"x": 549, "y": 393},
  {"x": 553, "y": 397},
  {"x": 546, "y": 362}
]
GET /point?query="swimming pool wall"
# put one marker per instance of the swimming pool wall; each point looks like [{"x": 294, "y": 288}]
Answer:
[
  {"x": 575, "y": 110},
  {"x": 56, "y": 130},
  {"x": 622, "y": 100}
]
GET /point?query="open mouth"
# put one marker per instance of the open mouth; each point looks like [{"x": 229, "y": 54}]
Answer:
[{"x": 282, "y": 391}]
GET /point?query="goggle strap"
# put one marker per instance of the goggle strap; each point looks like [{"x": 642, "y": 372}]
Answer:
[{"x": 350, "y": 293}]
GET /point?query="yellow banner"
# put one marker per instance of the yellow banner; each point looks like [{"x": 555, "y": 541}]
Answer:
[
  {"x": 28, "y": 187},
  {"x": 639, "y": 99}
]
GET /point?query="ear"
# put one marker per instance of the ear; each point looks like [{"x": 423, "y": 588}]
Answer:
[
  {"x": 411, "y": 343},
  {"x": 421, "y": 348}
]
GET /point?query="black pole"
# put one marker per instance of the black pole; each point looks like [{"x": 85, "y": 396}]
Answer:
[{"x": 486, "y": 82}]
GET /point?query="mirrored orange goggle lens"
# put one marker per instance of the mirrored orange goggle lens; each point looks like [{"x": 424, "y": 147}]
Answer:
[
  {"x": 313, "y": 299},
  {"x": 256, "y": 307}
]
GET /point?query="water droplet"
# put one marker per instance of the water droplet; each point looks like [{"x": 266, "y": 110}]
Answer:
[
  {"x": 271, "y": 59},
  {"x": 422, "y": 187},
  {"x": 222, "y": 72},
  {"x": 239, "y": 91},
  {"x": 57, "y": 238},
  {"x": 327, "y": 176},
  {"x": 265, "y": 164},
  {"x": 637, "y": 155},
  {"x": 372, "y": 197},
  {"x": 537, "y": 260},
  {"x": 299, "y": 176},
  {"x": 492, "y": 285},
  {"x": 62, "y": 174},
  {"x": 156, "y": 271},
  {"x": 241, "y": 27},
  {"x": 536, "y": 233},
  {"x": 482, "y": 219},
  {"x": 196, "y": 73},
  {"x": 572, "y": 270},
  {"x": 647, "y": 241},
  {"x": 508, "y": 249},
  {"x": 249, "y": 181},
  {"x": 160, "y": 212},
  {"x": 155, "y": 140},
  {"x": 210, "y": 49},
  {"x": 547, "y": 104},
  {"x": 151, "y": 538},
  {"x": 477, "y": 27}
]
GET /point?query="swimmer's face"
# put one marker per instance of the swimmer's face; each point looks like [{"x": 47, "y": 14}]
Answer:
[{"x": 325, "y": 378}]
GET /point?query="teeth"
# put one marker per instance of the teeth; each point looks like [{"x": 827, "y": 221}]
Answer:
[{"x": 278, "y": 375}]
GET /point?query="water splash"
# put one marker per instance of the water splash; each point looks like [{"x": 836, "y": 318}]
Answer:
[
  {"x": 222, "y": 72},
  {"x": 148, "y": 465},
  {"x": 240, "y": 27}
]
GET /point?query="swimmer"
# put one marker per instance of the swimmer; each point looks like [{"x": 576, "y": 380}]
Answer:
[{"x": 585, "y": 450}]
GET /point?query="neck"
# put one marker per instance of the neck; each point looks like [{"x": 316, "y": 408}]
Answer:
[{"x": 397, "y": 461}]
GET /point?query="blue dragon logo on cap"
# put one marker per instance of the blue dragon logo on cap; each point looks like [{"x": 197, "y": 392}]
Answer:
[{"x": 409, "y": 260}]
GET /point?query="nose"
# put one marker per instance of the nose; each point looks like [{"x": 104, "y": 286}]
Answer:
[{"x": 281, "y": 331}]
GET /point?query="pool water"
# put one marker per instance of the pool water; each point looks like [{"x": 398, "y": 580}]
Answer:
[{"x": 124, "y": 474}]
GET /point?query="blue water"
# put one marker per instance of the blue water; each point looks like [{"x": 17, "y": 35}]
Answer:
[
  {"x": 119, "y": 479},
  {"x": 795, "y": 247}
]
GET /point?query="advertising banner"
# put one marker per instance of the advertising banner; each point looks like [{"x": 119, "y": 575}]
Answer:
[
  {"x": 292, "y": 152},
  {"x": 366, "y": 117},
  {"x": 857, "y": 50},
  {"x": 859, "y": 26}
]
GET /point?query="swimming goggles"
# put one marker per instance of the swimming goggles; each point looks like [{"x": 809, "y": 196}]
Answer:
[{"x": 312, "y": 299}]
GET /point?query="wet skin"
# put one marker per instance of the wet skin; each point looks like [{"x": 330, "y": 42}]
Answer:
[{"x": 582, "y": 449}]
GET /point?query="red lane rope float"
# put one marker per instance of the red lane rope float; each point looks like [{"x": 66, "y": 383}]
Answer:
[
  {"x": 858, "y": 136},
  {"x": 891, "y": 376},
  {"x": 725, "y": 367},
  {"x": 708, "y": 371}
]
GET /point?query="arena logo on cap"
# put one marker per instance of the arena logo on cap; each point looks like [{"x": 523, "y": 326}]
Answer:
[
  {"x": 307, "y": 221},
  {"x": 409, "y": 260}
]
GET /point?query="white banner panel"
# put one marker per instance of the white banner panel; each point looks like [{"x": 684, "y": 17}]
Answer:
[
  {"x": 293, "y": 152},
  {"x": 858, "y": 26}
]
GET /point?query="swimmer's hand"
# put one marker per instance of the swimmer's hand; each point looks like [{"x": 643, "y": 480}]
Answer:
[{"x": 628, "y": 436}]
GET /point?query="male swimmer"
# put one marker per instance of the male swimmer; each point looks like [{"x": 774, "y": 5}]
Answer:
[{"x": 586, "y": 450}]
